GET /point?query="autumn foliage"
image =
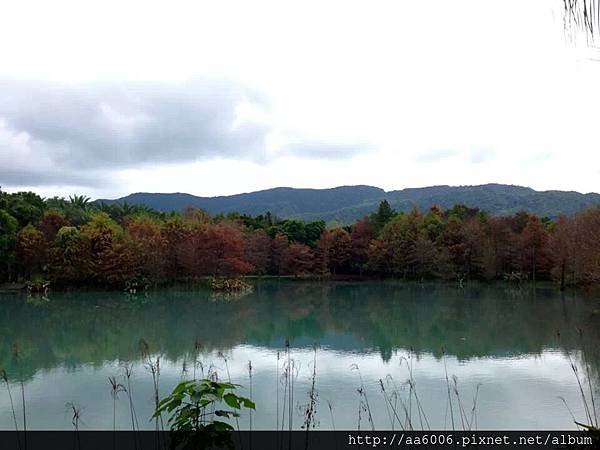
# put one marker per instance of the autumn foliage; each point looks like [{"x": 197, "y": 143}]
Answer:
[{"x": 110, "y": 246}]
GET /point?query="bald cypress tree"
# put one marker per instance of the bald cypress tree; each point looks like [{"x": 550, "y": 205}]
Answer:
[{"x": 384, "y": 214}]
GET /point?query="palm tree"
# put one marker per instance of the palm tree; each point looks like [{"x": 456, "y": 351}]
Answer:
[
  {"x": 127, "y": 209},
  {"x": 106, "y": 208},
  {"x": 583, "y": 16},
  {"x": 79, "y": 201},
  {"x": 56, "y": 203}
]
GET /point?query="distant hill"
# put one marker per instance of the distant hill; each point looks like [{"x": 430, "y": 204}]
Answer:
[{"x": 345, "y": 204}]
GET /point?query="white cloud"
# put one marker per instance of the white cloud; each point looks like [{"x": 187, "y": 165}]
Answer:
[{"x": 395, "y": 82}]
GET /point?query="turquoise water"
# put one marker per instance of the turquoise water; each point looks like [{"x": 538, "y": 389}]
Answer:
[{"x": 496, "y": 342}]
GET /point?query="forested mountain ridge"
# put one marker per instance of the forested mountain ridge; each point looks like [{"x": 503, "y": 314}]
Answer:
[{"x": 345, "y": 204}]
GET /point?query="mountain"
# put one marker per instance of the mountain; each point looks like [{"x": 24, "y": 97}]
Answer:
[
  {"x": 345, "y": 204},
  {"x": 281, "y": 201}
]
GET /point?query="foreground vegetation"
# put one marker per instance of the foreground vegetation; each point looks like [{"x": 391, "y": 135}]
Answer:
[
  {"x": 75, "y": 242},
  {"x": 206, "y": 399}
]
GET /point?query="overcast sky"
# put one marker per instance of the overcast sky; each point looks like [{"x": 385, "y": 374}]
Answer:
[{"x": 107, "y": 98}]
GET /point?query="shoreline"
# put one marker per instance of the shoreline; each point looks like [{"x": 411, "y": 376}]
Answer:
[{"x": 203, "y": 282}]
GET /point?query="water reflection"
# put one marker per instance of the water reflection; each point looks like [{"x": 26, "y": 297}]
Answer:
[{"x": 504, "y": 339}]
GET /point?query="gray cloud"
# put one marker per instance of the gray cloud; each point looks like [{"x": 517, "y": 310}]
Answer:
[
  {"x": 58, "y": 133},
  {"x": 28, "y": 177},
  {"x": 324, "y": 150}
]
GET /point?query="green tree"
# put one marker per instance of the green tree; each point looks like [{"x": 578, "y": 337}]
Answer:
[
  {"x": 69, "y": 257},
  {"x": 80, "y": 201},
  {"x": 26, "y": 207},
  {"x": 434, "y": 223},
  {"x": 8, "y": 240},
  {"x": 401, "y": 235},
  {"x": 294, "y": 230},
  {"x": 384, "y": 214},
  {"x": 31, "y": 251},
  {"x": 312, "y": 232}
]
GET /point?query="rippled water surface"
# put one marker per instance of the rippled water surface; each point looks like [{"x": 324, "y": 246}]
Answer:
[{"x": 498, "y": 346}]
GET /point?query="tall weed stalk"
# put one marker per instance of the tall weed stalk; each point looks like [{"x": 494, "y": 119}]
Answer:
[{"x": 4, "y": 377}]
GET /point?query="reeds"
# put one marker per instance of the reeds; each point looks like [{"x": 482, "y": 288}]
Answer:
[
  {"x": 402, "y": 400},
  {"x": 17, "y": 358},
  {"x": 197, "y": 363},
  {"x": 221, "y": 355},
  {"x": 582, "y": 16},
  {"x": 363, "y": 405},
  {"x": 448, "y": 391},
  {"x": 75, "y": 419},
  {"x": 75, "y": 414},
  {"x": 135, "y": 427},
  {"x": 152, "y": 364},
  {"x": 277, "y": 395},
  {"x": 184, "y": 369},
  {"x": 310, "y": 410},
  {"x": 288, "y": 377},
  {"x": 4, "y": 377},
  {"x": 589, "y": 406},
  {"x": 250, "y": 379},
  {"x": 408, "y": 425},
  {"x": 330, "y": 406},
  {"x": 466, "y": 424},
  {"x": 412, "y": 392},
  {"x": 115, "y": 388},
  {"x": 589, "y": 380},
  {"x": 391, "y": 408},
  {"x": 474, "y": 408}
]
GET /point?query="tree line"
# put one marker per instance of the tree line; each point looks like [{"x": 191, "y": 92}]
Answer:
[{"x": 75, "y": 242}]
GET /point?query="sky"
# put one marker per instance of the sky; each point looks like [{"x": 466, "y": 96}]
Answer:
[{"x": 105, "y": 98}]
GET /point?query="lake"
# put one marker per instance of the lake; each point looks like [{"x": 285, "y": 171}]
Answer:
[{"x": 493, "y": 346}]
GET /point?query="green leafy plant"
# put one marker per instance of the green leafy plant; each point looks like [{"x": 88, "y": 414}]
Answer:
[{"x": 195, "y": 406}]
